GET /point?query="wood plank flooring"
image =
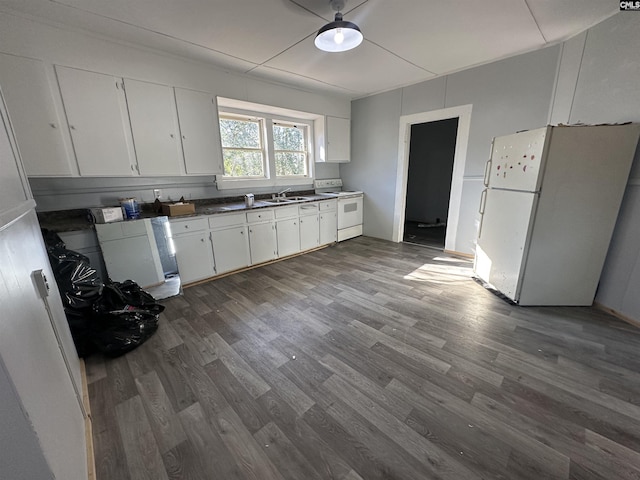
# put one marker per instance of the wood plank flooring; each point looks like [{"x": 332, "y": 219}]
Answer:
[{"x": 369, "y": 360}]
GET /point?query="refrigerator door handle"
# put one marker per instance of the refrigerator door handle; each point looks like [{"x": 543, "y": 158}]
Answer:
[
  {"x": 487, "y": 171},
  {"x": 483, "y": 201}
]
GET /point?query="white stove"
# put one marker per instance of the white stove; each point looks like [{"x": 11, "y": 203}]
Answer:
[{"x": 349, "y": 207}]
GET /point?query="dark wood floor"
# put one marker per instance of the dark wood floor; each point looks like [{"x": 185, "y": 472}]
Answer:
[{"x": 369, "y": 360}]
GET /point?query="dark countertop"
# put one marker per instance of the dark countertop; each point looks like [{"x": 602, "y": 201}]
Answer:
[{"x": 80, "y": 219}]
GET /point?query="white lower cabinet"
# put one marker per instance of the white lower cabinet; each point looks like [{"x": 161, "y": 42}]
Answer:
[
  {"x": 288, "y": 234},
  {"x": 194, "y": 256},
  {"x": 207, "y": 246},
  {"x": 262, "y": 242},
  {"x": 230, "y": 248},
  {"x": 328, "y": 227},
  {"x": 309, "y": 232}
]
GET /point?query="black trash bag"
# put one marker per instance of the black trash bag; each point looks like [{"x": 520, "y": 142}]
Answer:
[
  {"x": 112, "y": 318},
  {"x": 79, "y": 284},
  {"x": 123, "y": 318}
]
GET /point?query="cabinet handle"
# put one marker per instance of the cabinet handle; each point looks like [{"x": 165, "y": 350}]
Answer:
[
  {"x": 72, "y": 127},
  {"x": 53, "y": 125},
  {"x": 250, "y": 231},
  {"x": 172, "y": 135},
  {"x": 202, "y": 240},
  {"x": 184, "y": 137},
  {"x": 241, "y": 232},
  {"x": 186, "y": 226}
]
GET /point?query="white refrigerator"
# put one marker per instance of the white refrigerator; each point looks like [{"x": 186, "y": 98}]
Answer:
[{"x": 549, "y": 209}]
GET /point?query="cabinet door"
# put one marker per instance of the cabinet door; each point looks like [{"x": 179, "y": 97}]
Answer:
[
  {"x": 309, "y": 232},
  {"x": 200, "y": 131},
  {"x": 328, "y": 227},
  {"x": 34, "y": 117},
  {"x": 288, "y": 233},
  {"x": 262, "y": 242},
  {"x": 338, "y": 139},
  {"x": 194, "y": 256},
  {"x": 230, "y": 248},
  {"x": 154, "y": 125},
  {"x": 96, "y": 111}
]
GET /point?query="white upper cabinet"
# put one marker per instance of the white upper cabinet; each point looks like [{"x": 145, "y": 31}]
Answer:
[
  {"x": 34, "y": 117},
  {"x": 333, "y": 139},
  {"x": 96, "y": 111},
  {"x": 154, "y": 125},
  {"x": 200, "y": 131}
]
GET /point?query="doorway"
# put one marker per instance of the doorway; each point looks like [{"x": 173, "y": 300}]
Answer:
[
  {"x": 463, "y": 114},
  {"x": 431, "y": 154}
]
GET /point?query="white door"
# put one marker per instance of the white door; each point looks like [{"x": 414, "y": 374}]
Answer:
[
  {"x": 230, "y": 248},
  {"x": 262, "y": 242},
  {"x": 328, "y": 227},
  {"x": 288, "y": 232},
  {"x": 517, "y": 161},
  {"x": 309, "y": 232},
  {"x": 338, "y": 139},
  {"x": 35, "y": 121},
  {"x": 154, "y": 125},
  {"x": 200, "y": 131},
  {"x": 96, "y": 112},
  {"x": 503, "y": 238},
  {"x": 194, "y": 256}
]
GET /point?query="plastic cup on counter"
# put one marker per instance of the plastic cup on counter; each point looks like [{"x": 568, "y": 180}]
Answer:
[{"x": 130, "y": 208}]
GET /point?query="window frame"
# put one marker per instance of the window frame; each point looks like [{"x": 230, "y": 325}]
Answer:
[
  {"x": 270, "y": 179},
  {"x": 262, "y": 149}
]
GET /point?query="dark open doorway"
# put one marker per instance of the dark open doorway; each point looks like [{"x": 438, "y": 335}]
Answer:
[{"x": 431, "y": 155}]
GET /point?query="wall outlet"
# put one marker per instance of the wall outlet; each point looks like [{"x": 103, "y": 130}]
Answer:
[{"x": 157, "y": 193}]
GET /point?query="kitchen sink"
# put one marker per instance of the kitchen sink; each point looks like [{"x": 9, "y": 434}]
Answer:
[
  {"x": 277, "y": 201},
  {"x": 284, "y": 200}
]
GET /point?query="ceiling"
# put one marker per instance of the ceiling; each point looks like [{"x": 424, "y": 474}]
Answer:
[{"x": 405, "y": 41}]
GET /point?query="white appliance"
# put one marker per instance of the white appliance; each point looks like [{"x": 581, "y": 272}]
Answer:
[
  {"x": 349, "y": 207},
  {"x": 549, "y": 210}
]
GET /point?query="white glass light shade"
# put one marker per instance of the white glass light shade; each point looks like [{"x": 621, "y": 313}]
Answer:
[{"x": 338, "y": 36}]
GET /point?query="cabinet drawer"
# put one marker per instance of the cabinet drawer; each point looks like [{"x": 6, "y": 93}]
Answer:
[
  {"x": 327, "y": 205},
  {"x": 286, "y": 212},
  {"x": 191, "y": 225},
  {"x": 308, "y": 208},
  {"x": 260, "y": 216},
  {"x": 218, "y": 221}
]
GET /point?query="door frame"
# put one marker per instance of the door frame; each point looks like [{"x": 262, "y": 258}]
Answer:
[{"x": 463, "y": 114}]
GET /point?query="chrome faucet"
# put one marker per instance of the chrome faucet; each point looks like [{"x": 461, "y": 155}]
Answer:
[{"x": 282, "y": 194}]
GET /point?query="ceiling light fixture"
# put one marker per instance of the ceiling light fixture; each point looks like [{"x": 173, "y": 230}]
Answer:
[{"x": 339, "y": 35}]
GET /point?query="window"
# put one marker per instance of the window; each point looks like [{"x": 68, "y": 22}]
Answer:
[
  {"x": 290, "y": 149},
  {"x": 242, "y": 147},
  {"x": 263, "y": 150}
]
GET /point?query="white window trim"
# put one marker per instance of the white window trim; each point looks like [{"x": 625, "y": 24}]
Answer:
[{"x": 228, "y": 183}]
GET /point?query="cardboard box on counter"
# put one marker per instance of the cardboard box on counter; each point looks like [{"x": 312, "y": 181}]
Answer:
[{"x": 176, "y": 209}]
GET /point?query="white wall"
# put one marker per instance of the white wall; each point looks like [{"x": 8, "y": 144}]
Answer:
[
  {"x": 606, "y": 90},
  {"x": 53, "y": 45},
  {"x": 509, "y": 95}
]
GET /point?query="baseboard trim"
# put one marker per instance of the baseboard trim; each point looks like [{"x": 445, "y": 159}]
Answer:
[
  {"x": 615, "y": 313},
  {"x": 459, "y": 254},
  {"x": 88, "y": 427}
]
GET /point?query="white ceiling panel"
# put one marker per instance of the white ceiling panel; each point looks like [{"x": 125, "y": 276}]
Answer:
[
  {"x": 296, "y": 80},
  {"x": 446, "y": 36},
  {"x": 367, "y": 68},
  {"x": 406, "y": 41},
  {"x": 561, "y": 20},
  {"x": 252, "y": 30}
]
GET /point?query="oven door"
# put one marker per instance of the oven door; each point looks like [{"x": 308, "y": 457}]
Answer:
[{"x": 349, "y": 212}]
